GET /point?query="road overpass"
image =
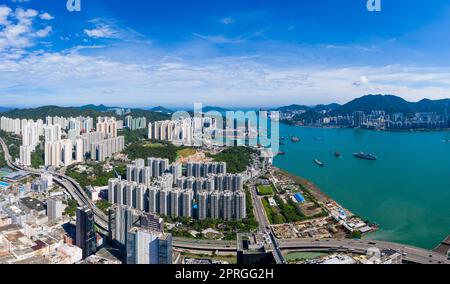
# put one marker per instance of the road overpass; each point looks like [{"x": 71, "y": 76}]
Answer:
[
  {"x": 204, "y": 245},
  {"x": 410, "y": 254}
]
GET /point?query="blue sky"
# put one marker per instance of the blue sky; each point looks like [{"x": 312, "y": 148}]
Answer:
[{"x": 227, "y": 53}]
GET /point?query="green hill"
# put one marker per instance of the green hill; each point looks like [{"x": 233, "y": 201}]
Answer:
[
  {"x": 42, "y": 112},
  {"x": 89, "y": 110},
  {"x": 293, "y": 108},
  {"x": 388, "y": 103}
]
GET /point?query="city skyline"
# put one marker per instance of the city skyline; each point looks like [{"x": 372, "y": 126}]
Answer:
[{"x": 224, "y": 54}]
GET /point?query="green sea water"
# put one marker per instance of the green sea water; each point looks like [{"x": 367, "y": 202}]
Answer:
[{"x": 406, "y": 191}]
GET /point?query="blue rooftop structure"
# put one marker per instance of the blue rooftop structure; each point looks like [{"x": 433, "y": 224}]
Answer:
[
  {"x": 3, "y": 184},
  {"x": 299, "y": 198}
]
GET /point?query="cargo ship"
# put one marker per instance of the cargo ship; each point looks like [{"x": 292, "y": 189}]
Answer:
[{"x": 365, "y": 156}]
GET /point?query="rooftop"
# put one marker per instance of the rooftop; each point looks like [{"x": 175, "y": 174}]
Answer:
[{"x": 33, "y": 204}]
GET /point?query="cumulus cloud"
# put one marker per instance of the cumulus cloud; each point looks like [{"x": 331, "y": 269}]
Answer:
[
  {"x": 46, "y": 16},
  {"x": 4, "y": 13},
  {"x": 17, "y": 31}
]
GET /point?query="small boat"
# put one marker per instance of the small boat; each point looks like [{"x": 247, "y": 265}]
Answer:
[
  {"x": 317, "y": 162},
  {"x": 365, "y": 156},
  {"x": 281, "y": 153},
  {"x": 295, "y": 139},
  {"x": 337, "y": 154},
  {"x": 282, "y": 143}
]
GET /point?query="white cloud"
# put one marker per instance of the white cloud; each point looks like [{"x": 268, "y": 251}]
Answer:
[
  {"x": 101, "y": 32},
  {"x": 46, "y": 16},
  {"x": 73, "y": 78},
  {"x": 363, "y": 80},
  {"x": 5, "y": 11},
  {"x": 17, "y": 31}
]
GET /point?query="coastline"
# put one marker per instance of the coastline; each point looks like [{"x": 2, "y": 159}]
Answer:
[
  {"x": 324, "y": 198},
  {"x": 311, "y": 187},
  {"x": 419, "y": 130}
]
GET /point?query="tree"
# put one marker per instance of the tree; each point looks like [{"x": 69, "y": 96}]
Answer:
[{"x": 356, "y": 235}]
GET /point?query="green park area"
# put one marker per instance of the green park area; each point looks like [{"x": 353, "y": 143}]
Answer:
[
  {"x": 94, "y": 175},
  {"x": 140, "y": 150},
  {"x": 237, "y": 158},
  {"x": 285, "y": 211},
  {"x": 294, "y": 257},
  {"x": 265, "y": 190},
  {"x": 133, "y": 136}
]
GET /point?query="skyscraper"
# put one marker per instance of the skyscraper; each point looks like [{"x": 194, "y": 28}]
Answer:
[
  {"x": 140, "y": 193},
  {"x": 214, "y": 205},
  {"x": 79, "y": 151},
  {"x": 202, "y": 202},
  {"x": 163, "y": 202},
  {"x": 54, "y": 209},
  {"x": 358, "y": 118},
  {"x": 239, "y": 205},
  {"x": 25, "y": 155},
  {"x": 121, "y": 220},
  {"x": 153, "y": 200},
  {"x": 175, "y": 202},
  {"x": 145, "y": 246},
  {"x": 186, "y": 203},
  {"x": 85, "y": 232},
  {"x": 227, "y": 205}
]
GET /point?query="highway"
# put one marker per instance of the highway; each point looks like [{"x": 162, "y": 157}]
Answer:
[
  {"x": 258, "y": 209},
  {"x": 410, "y": 254},
  {"x": 204, "y": 245},
  {"x": 264, "y": 224}
]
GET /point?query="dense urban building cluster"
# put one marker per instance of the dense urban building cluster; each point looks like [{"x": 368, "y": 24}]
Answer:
[
  {"x": 140, "y": 234},
  {"x": 380, "y": 120},
  {"x": 32, "y": 222},
  {"x": 205, "y": 130},
  {"x": 205, "y": 192},
  {"x": 135, "y": 123},
  {"x": 67, "y": 140}
]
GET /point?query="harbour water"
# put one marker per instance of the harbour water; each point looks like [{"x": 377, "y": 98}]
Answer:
[{"x": 406, "y": 191}]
